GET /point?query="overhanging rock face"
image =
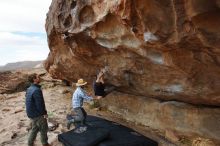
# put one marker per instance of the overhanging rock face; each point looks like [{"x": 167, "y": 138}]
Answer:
[{"x": 165, "y": 49}]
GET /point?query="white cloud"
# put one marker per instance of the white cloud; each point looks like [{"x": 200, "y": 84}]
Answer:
[
  {"x": 22, "y": 32},
  {"x": 11, "y": 40},
  {"x": 15, "y": 55},
  {"x": 23, "y": 15},
  {"x": 16, "y": 47}
]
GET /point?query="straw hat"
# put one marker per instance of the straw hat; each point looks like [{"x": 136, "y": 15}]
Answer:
[{"x": 81, "y": 82}]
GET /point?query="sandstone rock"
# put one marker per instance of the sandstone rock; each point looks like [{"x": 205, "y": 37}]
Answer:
[
  {"x": 13, "y": 82},
  {"x": 166, "y": 49},
  {"x": 171, "y": 135},
  {"x": 172, "y": 118}
]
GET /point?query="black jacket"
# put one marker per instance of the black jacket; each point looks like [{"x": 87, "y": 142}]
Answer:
[{"x": 35, "y": 105}]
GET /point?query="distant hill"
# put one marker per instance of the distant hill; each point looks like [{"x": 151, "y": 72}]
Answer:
[{"x": 21, "y": 65}]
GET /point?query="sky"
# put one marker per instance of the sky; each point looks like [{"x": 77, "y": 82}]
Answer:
[{"x": 22, "y": 32}]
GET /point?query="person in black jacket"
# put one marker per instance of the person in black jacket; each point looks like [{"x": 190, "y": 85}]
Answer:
[{"x": 36, "y": 111}]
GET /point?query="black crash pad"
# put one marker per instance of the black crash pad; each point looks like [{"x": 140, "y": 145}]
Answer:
[
  {"x": 119, "y": 135},
  {"x": 124, "y": 138},
  {"x": 90, "y": 137}
]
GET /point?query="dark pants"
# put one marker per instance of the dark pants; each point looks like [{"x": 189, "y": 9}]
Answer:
[
  {"x": 79, "y": 117},
  {"x": 38, "y": 124}
]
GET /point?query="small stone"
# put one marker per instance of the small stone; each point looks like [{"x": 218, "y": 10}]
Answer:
[
  {"x": 18, "y": 111},
  {"x": 14, "y": 135},
  {"x": 6, "y": 109}
]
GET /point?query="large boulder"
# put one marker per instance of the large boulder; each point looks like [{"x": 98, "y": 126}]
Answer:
[
  {"x": 165, "y": 49},
  {"x": 168, "y": 50}
]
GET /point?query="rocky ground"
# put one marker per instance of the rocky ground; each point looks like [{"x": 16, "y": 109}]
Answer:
[{"x": 14, "y": 123}]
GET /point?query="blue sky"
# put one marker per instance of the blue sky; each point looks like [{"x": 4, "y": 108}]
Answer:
[{"x": 22, "y": 32}]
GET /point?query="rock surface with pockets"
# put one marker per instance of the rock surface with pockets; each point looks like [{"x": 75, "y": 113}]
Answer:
[
  {"x": 166, "y": 49},
  {"x": 163, "y": 56}
]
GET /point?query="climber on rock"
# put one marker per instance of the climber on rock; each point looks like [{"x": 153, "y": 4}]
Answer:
[{"x": 99, "y": 86}]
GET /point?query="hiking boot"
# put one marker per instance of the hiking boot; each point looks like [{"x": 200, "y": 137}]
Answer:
[{"x": 69, "y": 122}]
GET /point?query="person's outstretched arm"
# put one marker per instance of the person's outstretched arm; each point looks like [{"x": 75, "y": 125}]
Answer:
[{"x": 100, "y": 77}]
